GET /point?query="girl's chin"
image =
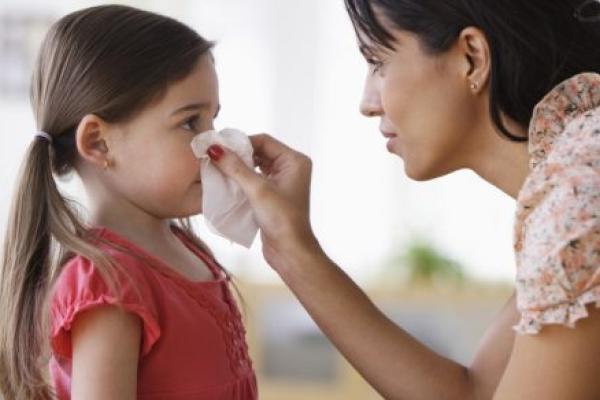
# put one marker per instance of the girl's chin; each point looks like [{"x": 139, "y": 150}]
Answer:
[{"x": 192, "y": 209}]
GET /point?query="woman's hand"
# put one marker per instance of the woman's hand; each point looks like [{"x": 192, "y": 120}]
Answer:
[{"x": 279, "y": 196}]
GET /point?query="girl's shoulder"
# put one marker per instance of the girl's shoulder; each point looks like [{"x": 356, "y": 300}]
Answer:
[
  {"x": 125, "y": 274},
  {"x": 82, "y": 285}
]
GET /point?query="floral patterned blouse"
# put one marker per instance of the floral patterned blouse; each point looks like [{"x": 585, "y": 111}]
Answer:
[{"x": 557, "y": 228}]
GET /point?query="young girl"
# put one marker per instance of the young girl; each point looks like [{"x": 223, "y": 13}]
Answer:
[{"x": 129, "y": 304}]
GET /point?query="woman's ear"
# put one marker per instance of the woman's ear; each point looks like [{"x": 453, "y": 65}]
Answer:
[
  {"x": 92, "y": 140},
  {"x": 475, "y": 50}
]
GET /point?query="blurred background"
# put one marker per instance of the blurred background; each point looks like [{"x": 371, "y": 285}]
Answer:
[{"x": 435, "y": 256}]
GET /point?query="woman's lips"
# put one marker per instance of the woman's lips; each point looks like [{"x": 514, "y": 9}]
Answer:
[
  {"x": 391, "y": 144},
  {"x": 393, "y": 139}
]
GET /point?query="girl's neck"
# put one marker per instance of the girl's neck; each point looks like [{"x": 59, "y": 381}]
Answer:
[{"x": 132, "y": 223}]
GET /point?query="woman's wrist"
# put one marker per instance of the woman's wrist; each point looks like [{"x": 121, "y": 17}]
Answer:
[{"x": 301, "y": 257}]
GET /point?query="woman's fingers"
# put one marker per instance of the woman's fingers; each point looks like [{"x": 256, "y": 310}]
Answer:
[
  {"x": 268, "y": 147},
  {"x": 233, "y": 167},
  {"x": 280, "y": 198},
  {"x": 271, "y": 153}
]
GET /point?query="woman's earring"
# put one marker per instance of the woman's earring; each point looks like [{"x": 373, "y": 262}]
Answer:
[{"x": 474, "y": 86}]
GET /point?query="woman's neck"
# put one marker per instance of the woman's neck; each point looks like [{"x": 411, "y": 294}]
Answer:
[{"x": 501, "y": 162}]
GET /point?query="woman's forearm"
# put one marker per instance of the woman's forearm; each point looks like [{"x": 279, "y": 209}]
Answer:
[
  {"x": 393, "y": 362},
  {"x": 397, "y": 365}
]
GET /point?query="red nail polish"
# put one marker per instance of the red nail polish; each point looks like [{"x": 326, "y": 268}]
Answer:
[{"x": 215, "y": 152}]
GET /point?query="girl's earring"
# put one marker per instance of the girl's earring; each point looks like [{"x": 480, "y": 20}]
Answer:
[{"x": 474, "y": 85}]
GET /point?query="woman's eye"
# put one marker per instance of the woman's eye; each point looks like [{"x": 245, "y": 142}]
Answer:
[{"x": 376, "y": 64}]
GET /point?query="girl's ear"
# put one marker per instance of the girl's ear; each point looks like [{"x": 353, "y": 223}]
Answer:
[
  {"x": 475, "y": 52},
  {"x": 92, "y": 140}
]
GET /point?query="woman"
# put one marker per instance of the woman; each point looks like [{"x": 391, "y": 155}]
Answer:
[{"x": 455, "y": 84}]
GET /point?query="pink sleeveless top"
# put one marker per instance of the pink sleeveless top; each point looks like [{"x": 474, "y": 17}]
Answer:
[{"x": 193, "y": 341}]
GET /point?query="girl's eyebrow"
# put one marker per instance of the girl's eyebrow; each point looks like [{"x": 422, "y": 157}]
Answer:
[{"x": 196, "y": 106}]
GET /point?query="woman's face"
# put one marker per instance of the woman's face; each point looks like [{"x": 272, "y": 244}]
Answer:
[{"x": 426, "y": 104}]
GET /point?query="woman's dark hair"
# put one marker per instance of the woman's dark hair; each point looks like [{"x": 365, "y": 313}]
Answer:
[
  {"x": 111, "y": 61},
  {"x": 534, "y": 44}
]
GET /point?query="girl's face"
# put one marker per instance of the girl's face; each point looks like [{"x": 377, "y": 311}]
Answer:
[
  {"x": 154, "y": 166},
  {"x": 427, "y": 107}
]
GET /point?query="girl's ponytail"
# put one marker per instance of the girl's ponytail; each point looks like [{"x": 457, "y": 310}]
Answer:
[
  {"x": 25, "y": 277},
  {"x": 43, "y": 231}
]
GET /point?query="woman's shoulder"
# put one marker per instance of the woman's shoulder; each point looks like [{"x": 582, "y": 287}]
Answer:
[
  {"x": 564, "y": 147},
  {"x": 557, "y": 247},
  {"x": 568, "y": 115},
  {"x": 557, "y": 229}
]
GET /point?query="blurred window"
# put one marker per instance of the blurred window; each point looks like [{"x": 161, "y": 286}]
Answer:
[{"x": 21, "y": 32}]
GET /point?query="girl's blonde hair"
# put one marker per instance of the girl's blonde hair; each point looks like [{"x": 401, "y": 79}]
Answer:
[{"x": 110, "y": 61}]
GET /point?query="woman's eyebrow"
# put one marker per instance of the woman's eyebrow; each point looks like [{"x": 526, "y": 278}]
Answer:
[
  {"x": 374, "y": 49},
  {"x": 366, "y": 51}
]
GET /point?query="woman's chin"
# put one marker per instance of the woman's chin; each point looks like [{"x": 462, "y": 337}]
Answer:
[
  {"x": 424, "y": 172},
  {"x": 415, "y": 176},
  {"x": 417, "y": 172}
]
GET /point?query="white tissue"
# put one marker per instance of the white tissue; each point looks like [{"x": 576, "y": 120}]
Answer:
[{"x": 225, "y": 207}]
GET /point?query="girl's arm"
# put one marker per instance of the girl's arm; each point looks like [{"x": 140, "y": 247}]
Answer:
[{"x": 106, "y": 347}]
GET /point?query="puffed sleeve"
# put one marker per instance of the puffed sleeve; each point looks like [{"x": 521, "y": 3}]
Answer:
[
  {"x": 81, "y": 287},
  {"x": 558, "y": 231}
]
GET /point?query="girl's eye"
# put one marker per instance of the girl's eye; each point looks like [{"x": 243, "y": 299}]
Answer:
[{"x": 191, "y": 124}]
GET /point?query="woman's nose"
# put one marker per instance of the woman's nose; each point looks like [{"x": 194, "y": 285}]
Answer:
[{"x": 370, "y": 105}]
